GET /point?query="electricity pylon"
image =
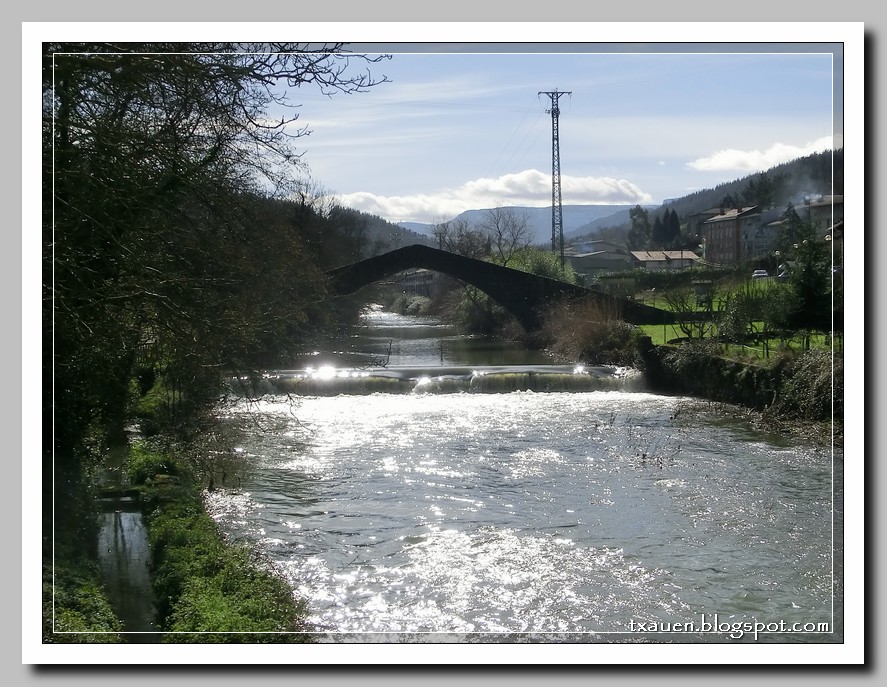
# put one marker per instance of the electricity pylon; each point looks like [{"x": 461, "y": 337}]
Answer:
[{"x": 557, "y": 212}]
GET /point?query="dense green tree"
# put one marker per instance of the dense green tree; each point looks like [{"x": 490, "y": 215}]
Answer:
[
  {"x": 778, "y": 306},
  {"x": 666, "y": 232},
  {"x": 671, "y": 229},
  {"x": 729, "y": 202},
  {"x": 543, "y": 263},
  {"x": 763, "y": 190},
  {"x": 657, "y": 235},
  {"x": 810, "y": 277},
  {"x": 809, "y": 272},
  {"x": 640, "y": 232}
]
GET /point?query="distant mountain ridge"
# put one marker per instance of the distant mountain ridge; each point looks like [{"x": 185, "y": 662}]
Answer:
[
  {"x": 819, "y": 173},
  {"x": 575, "y": 218}
]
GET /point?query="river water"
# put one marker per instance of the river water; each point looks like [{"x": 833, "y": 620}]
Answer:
[{"x": 460, "y": 489}]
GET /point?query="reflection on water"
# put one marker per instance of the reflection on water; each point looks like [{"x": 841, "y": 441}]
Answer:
[
  {"x": 532, "y": 516},
  {"x": 124, "y": 559},
  {"x": 402, "y": 340}
]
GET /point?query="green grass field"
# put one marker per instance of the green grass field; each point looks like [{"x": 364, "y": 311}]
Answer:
[{"x": 662, "y": 334}]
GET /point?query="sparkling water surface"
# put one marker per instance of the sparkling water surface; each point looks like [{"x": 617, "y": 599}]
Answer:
[{"x": 521, "y": 515}]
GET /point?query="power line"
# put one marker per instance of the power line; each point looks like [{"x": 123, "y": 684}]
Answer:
[{"x": 515, "y": 150}]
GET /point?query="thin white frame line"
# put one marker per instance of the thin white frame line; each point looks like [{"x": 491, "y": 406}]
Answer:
[{"x": 466, "y": 54}]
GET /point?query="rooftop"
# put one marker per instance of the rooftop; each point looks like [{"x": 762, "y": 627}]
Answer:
[{"x": 648, "y": 255}]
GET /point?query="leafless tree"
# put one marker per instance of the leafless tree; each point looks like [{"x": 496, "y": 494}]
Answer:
[
  {"x": 509, "y": 232},
  {"x": 458, "y": 236}
]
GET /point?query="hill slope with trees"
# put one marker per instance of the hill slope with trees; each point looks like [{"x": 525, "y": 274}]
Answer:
[{"x": 813, "y": 175}]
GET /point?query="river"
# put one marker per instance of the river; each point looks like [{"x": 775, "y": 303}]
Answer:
[{"x": 451, "y": 488}]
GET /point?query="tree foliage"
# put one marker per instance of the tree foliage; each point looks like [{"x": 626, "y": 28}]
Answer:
[
  {"x": 639, "y": 235},
  {"x": 181, "y": 243},
  {"x": 657, "y": 235},
  {"x": 504, "y": 238},
  {"x": 809, "y": 274},
  {"x": 763, "y": 190},
  {"x": 666, "y": 232},
  {"x": 544, "y": 263},
  {"x": 162, "y": 251},
  {"x": 361, "y": 235}
]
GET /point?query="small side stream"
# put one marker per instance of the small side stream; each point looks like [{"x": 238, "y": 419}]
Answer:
[{"x": 124, "y": 555}]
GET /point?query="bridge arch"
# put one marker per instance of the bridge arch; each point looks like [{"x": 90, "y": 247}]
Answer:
[{"x": 522, "y": 294}]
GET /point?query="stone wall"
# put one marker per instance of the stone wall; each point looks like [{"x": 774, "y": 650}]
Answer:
[{"x": 702, "y": 373}]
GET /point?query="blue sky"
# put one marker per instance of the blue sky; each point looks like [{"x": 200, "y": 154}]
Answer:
[{"x": 457, "y": 129}]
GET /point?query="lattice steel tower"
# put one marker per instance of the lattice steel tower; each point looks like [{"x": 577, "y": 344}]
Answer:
[{"x": 557, "y": 212}]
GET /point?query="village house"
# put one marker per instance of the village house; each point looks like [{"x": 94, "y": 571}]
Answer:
[
  {"x": 721, "y": 235},
  {"x": 663, "y": 259},
  {"x": 758, "y": 232},
  {"x": 822, "y": 212},
  {"x": 737, "y": 235},
  {"x": 591, "y": 258}
]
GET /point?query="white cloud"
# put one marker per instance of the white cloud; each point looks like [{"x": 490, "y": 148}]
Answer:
[
  {"x": 530, "y": 188},
  {"x": 757, "y": 160}
]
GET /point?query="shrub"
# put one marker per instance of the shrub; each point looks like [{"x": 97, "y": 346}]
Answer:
[
  {"x": 543, "y": 263},
  {"x": 250, "y": 604},
  {"x": 75, "y": 608},
  {"x": 812, "y": 383},
  {"x": 146, "y": 464},
  {"x": 591, "y": 332},
  {"x": 411, "y": 304}
]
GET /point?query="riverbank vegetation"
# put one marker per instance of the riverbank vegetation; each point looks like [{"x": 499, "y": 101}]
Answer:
[
  {"x": 184, "y": 241},
  {"x": 75, "y": 606},
  {"x": 772, "y": 345},
  {"x": 590, "y": 332},
  {"x": 408, "y": 304},
  {"x": 795, "y": 388},
  {"x": 206, "y": 590}
]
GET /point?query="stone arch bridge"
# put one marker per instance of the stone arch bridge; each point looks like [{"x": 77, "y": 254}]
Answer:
[{"x": 526, "y": 296}]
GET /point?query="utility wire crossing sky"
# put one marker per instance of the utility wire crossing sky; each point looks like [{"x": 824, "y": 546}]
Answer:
[{"x": 459, "y": 130}]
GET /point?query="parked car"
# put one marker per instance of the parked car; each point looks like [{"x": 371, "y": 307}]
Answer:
[{"x": 759, "y": 274}]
